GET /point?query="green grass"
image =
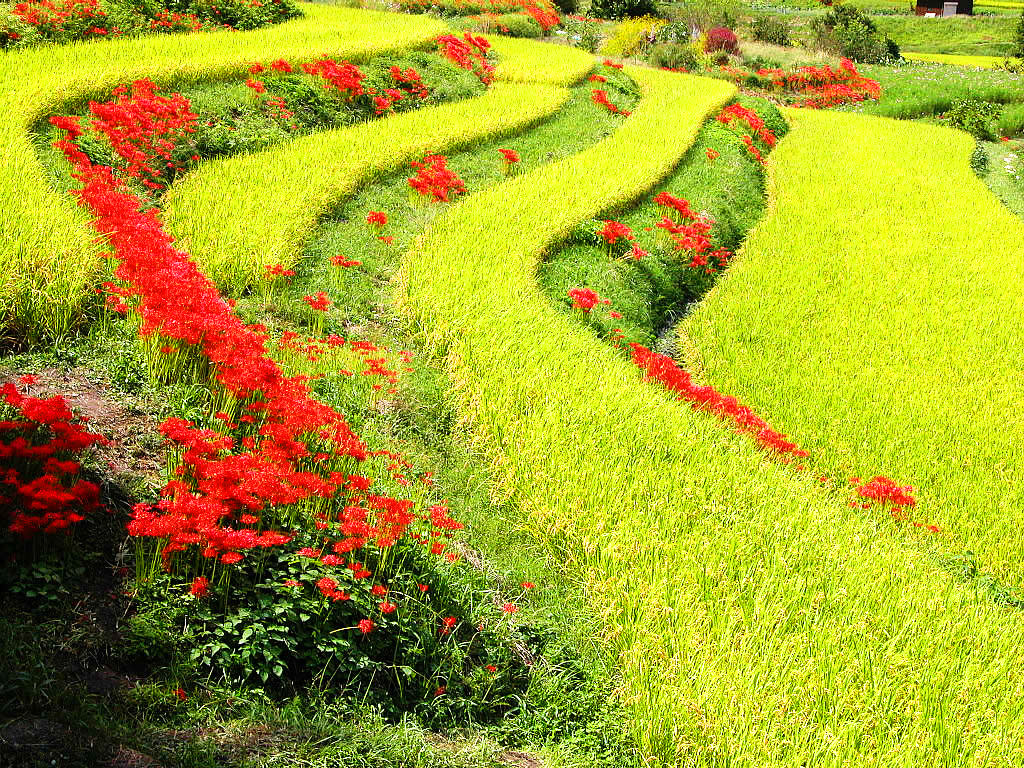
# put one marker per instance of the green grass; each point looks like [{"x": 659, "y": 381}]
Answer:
[
  {"x": 921, "y": 89},
  {"x": 46, "y": 251},
  {"x": 263, "y": 205},
  {"x": 758, "y": 620},
  {"x": 973, "y": 35}
]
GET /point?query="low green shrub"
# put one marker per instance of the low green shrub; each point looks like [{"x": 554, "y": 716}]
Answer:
[
  {"x": 674, "y": 56},
  {"x": 771, "y": 29},
  {"x": 583, "y": 33},
  {"x": 974, "y": 116},
  {"x": 846, "y": 31},
  {"x": 518, "y": 25},
  {"x": 620, "y": 9},
  {"x": 674, "y": 32}
]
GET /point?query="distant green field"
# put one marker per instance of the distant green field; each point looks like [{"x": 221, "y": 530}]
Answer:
[{"x": 974, "y": 36}]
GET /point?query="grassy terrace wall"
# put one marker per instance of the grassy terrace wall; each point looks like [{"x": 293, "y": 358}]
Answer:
[
  {"x": 238, "y": 214},
  {"x": 880, "y": 323},
  {"x": 759, "y": 621},
  {"x": 46, "y": 249}
]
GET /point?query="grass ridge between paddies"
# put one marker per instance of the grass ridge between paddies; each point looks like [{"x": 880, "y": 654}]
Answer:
[
  {"x": 47, "y": 254},
  {"x": 758, "y": 621},
  {"x": 240, "y": 214},
  {"x": 880, "y": 323}
]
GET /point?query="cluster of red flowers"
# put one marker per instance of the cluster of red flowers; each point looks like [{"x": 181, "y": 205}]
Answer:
[
  {"x": 737, "y": 113},
  {"x": 343, "y": 77},
  {"x": 663, "y": 369},
  {"x": 169, "y": 21},
  {"x": 144, "y": 129},
  {"x": 548, "y": 17},
  {"x": 829, "y": 87},
  {"x": 321, "y": 302},
  {"x": 39, "y": 486},
  {"x": 221, "y": 476},
  {"x": 890, "y": 495},
  {"x": 468, "y": 52},
  {"x": 585, "y": 299},
  {"x": 690, "y": 233},
  {"x": 83, "y": 17},
  {"x": 409, "y": 80},
  {"x": 434, "y": 179},
  {"x": 600, "y": 97},
  {"x": 613, "y": 231},
  {"x": 822, "y": 86},
  {"x": 280, "y": 455}
]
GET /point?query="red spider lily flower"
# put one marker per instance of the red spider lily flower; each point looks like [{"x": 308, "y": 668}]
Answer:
[
  {"x": 510, "y": 155},
  {"x": 615, "y": 315},
  {"x": 435, "y": 180},
  {"x": 387, "y": 239},
  {"x": 379, "y": 590},
  {"x": 366, "y": 626},
  {"x": 200, "y": 587},
  {"x": 257, "y": 86},
  {"x": 448, "y": 624},
  {"x": 469, "y": 53},
  {"x": 341, "y": 261},
  {"x": 321, "y": 302},
  {"x": 387, "y": 608},
  {"x": 661, "y": 368},
  {"x": 230, "y": 558},
  {"x": 637, "y": 253},
  {"x": 885, "y": 491},
  {"x": 327, "y": 586},
  {"x": 423, "y": 587},
  {"x": 491, "y": 668},
  {"x": 613, "y": 231},
  {"x": 180, "y": 694},
  {"x": 291, "y": 583},
  {"x": 256, "y": 69},
  {"x": 277, "y": 270},
  {"x": 281, "y": 66},
  {"x": 440, "y": 691},
  {"x": 331, "y": 560},
  {"x": 711, "y": 154},
  {"x": 612, "y": 64},
  {"x": 598, "y": 79},
  {"x": 585, "y": 299},
  {"x": 509, "y": 608},
  {"x": 527, "y": 585}
]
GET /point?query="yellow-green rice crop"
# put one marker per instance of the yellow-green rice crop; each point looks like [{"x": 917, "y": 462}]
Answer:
[
  {"x": 759, "y": 620},
  {"x": 46, "y": 251},
  {"x": 527, "y": 61},
  {"x": 237, "y": 215},
  {"x": 879, "y": 323},
  {"x": 981, "y": 62}
]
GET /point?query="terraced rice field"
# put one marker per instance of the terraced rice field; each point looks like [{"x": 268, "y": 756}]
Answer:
[{"x": 755, "y": 613}]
